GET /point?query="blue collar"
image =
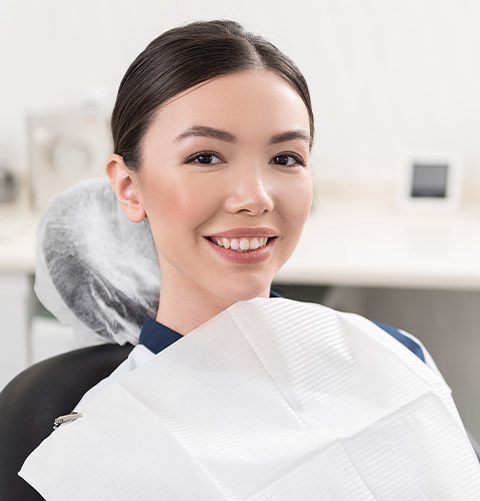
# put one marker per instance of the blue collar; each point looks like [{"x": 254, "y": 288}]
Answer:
[{"x": 156, "y": 336}]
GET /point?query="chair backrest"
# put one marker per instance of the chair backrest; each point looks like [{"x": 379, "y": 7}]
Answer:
[{"x": 32, "y": 400}]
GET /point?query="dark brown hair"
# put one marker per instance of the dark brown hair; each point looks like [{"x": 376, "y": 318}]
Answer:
[{"x": 182, "y": 58}]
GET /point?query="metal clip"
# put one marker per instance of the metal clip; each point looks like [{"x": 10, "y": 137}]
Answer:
[{"x": 66, "y": 419}]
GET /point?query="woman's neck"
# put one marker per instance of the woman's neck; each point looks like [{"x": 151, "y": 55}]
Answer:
[
  {"x": 184, "y": 305},
  {"x": 184, "y": 312}
]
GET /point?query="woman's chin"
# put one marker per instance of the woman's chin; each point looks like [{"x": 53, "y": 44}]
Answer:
[{"x": 245, "y": 293}]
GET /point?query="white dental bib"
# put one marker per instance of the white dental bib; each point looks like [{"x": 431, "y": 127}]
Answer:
[{"x": 270, "y": 400}]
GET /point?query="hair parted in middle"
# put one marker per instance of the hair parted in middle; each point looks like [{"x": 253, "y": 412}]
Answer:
[{"x": 182, "y": 58}]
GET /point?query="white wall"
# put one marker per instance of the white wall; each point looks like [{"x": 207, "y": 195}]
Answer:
[{"x": 386, "y": 76}]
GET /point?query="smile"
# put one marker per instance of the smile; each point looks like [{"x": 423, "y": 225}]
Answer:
[{"x": 241, "y": 244}]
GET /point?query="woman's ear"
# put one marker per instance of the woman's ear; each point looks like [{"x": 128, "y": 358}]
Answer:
[{"x": 123, "y": 184}]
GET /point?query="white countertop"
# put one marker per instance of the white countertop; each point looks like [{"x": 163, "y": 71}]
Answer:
[
  {"x": 355, "y": 236},
  {"x": 360, "y": 238}
]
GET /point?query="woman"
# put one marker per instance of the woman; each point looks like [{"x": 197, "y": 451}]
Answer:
[
  {"x": 199, "y": 154},
  {"x": 255, "y": 398}
]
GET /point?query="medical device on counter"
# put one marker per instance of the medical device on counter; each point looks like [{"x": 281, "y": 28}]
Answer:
[{"x": 64, "y": 148}]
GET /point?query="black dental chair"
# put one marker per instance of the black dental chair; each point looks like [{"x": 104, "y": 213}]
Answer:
[{"x": 32, "y": 400}]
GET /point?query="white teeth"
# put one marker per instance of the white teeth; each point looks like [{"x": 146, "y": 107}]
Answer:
[
  {"x": 242, "y": 244},
  {"x": 254, "y": 244}
]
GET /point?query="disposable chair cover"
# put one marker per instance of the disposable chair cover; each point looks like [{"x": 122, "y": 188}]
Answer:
[
  {"x": 96, "y": 270},
  {"x": 270, "y": 400}
]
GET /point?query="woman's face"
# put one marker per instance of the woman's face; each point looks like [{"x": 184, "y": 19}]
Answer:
[{"x": 225, "y": 182}]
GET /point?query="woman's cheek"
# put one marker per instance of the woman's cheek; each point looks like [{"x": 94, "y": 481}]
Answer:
[
  {"x": 173, "y": 207},
  {"x": 297, "y": 201}
]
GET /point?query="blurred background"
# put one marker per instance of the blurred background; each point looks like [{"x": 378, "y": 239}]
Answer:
[{"x": 395, "y": 88}]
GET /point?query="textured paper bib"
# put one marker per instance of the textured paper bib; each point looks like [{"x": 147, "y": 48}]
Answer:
[{"x": 270, "y": 400}]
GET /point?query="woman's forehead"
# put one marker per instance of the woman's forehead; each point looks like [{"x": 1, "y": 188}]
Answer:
[{"x": 241, "y": 101}]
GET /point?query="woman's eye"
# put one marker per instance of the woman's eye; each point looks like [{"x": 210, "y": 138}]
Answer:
[
  {"x": 205, "y": 159},
  {"x": 288, "y": 160}
]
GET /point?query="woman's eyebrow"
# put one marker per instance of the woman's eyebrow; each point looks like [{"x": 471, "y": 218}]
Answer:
[
  {"x": 290, "y": 136},
  {"x": 212, "y": 132},
  {"x": 204, "y": 131}
]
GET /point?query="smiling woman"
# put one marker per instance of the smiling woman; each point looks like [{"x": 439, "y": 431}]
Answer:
[
  {"x": 239, "y": 176},
  {"x": 232, "y": 393}
]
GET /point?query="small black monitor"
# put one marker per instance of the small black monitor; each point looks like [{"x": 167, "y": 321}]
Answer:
[{"x": 429, "y": 180}]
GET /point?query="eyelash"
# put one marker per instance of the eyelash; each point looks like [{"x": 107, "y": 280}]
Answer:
[
  {"x": 194, "y": 159},
  {"x": 297, "y": 159}
]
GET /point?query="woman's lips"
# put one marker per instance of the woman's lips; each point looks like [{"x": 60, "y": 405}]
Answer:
[
  {"x": 247, "y": 232},
  {"x": 243, "y": 250}
]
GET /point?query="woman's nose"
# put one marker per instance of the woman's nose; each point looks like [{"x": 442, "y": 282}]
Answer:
[{"x": 250, "y": 192}]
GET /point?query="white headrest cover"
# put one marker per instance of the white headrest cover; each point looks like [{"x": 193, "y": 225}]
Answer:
[{"x": 96, "y": 270}]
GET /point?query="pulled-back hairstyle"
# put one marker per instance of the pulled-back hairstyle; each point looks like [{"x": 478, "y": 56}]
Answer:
[{"x": 182, "y": 58}]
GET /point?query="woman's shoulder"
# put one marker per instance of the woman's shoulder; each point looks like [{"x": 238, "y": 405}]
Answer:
[{"x": 364, "y": 324}]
